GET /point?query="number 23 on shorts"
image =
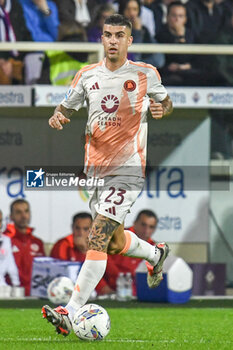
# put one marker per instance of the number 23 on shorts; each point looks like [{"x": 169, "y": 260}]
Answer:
[{"x": 119, "y": 193}]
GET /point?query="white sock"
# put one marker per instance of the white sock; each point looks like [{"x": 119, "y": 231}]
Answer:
[
  {"x": 139, "y": 248},
  {"x": 91, "y": 273}
]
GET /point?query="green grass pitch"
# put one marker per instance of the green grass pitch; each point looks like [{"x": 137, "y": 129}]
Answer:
[{"x": 131, "y": 328}]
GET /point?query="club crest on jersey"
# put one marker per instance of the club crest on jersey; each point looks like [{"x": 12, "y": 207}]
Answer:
[
  {"x": 129, "y": 85},
  {"x": 110, "y": 104}
]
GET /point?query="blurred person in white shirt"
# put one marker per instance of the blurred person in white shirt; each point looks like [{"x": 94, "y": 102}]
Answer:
[{"x": 7, "y": 261}]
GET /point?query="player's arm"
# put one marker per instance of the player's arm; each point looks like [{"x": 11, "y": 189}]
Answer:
[
  {"x": 160, "y": 102},
  {"x": 61, "y": 116},
  {"x": 72, "y": 101},
  {"x": 161, "y": 109}
]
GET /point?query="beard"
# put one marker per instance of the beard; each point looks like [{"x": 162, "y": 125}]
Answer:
[
  {"x": 113, "y": 58},
  {"x": 22, "y": 224}
]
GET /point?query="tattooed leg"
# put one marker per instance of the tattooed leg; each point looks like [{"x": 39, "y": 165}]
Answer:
[
  {"x": 95, "y": 264},
  {"x": 118, "y": 241},
  {"x": 102, "y": 232}
]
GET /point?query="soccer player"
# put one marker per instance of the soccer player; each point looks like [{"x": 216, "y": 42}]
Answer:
[{"x": 118, "y": 94}]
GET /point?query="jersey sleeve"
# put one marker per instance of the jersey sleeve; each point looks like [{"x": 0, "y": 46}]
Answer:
[
  {"x": 155, "y": 88},
  {"x": 75, "y": 96}
]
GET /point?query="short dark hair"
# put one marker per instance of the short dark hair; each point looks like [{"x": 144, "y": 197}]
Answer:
[
  {"x": 173, "y": 4},
  {"x": 146, "y": 212},
  {"x": 118, "y": 20},
  {"x": 82, "y": 215},
  {"x": 18, "y": 201}
]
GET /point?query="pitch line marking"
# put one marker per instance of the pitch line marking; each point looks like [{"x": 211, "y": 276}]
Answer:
[{"x": 61, "y": 340}]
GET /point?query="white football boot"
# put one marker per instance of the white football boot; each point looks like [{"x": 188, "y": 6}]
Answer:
[{"x": 155, "y": 275}]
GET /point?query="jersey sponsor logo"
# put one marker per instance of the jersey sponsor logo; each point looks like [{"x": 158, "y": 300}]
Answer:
[
  {"x": 129, "y": 85},
  {"x": 109, "y": 121},
  {"x": 111, "y": 210},
  {"x": 95, "y": 86},
  {"x": 110, "y": 104}
]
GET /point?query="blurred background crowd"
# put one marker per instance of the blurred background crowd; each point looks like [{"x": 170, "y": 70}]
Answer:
[{"x": 154, "y": 21}]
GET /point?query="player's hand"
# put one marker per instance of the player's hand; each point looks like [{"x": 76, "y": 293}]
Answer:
[
  {"x": 57, "y": 120},
  {"x": 156, "y": 109}
]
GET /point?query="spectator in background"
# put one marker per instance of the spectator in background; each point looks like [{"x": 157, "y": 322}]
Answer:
[
  {"x": 131, "y": 10},
  {"x": 59, "y": 67},
  {"x": 221, "y": 119},
  {"x": 227, "y": 8},
  {"x": 12, "y": 28},
  {"x": 150, "y": 5},
  {"x": 95, "y": 31},
  {"x": 209, "y": 21},
  {"x": 73, "y": 10},
  {"x": 144, "y": 226},
  {"x": 179, "y": 69},
  {"x": 74, "y": 246},
  {"x": 224, "y": 63},
  {"x": 66, "y": 10},
  {"x": 41, "y": 18},
  {"x": 146, "y": 16},
  {"x": 25, "y": 246},
  {"x": 7, "y": 261},
  {"x": 82, "y": 13},
  {"x": 93, "y": 4},
  {"x": 159, "y": 9},
  {"x": 148, "y": 20}
]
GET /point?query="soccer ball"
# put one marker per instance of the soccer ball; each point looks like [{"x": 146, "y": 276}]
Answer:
[
  {"x": 60, "y": 289},
  {"x": 91, "y": 322}
]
